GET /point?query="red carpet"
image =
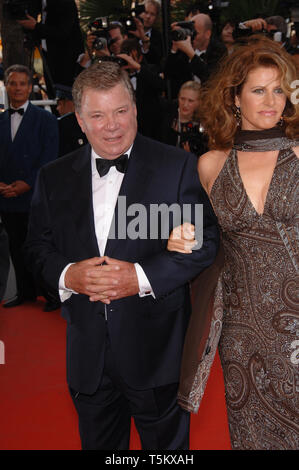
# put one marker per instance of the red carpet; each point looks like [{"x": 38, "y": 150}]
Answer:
[{"x": 35, "y": 408}]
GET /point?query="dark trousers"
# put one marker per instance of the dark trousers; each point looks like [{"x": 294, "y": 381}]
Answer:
[
  {"x": 105, "y": 417},
  {"x": 16, "y": 225}
]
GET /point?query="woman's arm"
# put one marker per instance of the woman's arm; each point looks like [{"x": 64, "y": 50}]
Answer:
[{"x": 182, "y": 238}]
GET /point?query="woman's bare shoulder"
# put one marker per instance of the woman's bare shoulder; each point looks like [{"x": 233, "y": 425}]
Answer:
[
  {"x": 296, "y": 150},
  {"x": 210, "y": 165}
]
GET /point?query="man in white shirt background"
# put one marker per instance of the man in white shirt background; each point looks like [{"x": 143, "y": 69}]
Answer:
[
  {"x": 28, "y": 140},
  {"x": 125, "y": 297}
]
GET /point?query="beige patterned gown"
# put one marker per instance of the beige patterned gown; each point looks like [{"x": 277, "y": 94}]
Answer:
[{"x": 259, "y": 345}]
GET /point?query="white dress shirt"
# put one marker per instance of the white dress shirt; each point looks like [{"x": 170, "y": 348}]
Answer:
[
  {"x": 105, "y": 192},
  {"x": 16, "y": 119}
]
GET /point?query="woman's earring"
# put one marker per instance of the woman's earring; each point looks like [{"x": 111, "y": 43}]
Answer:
[
  {"x": 281, "y": 121},
  {"x": 237, "y": 114}
]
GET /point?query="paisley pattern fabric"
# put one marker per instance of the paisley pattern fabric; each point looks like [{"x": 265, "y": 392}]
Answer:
[{"x": 259, "y": 344}]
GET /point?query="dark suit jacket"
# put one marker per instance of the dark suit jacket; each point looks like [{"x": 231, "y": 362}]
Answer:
[
  {"x": 146, "y": 334},
  {"x": 148, "y": 92},
  {"x": 155, "y": 53},
  {"x": 34, "y": 145},
  {"x": 64, "y": 39},
  {"x": 179, "y": 69},
  {"x": 70, "y": 135}
]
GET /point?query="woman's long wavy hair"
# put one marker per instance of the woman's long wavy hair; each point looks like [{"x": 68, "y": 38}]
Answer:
[{"x": 217, "y": 98}]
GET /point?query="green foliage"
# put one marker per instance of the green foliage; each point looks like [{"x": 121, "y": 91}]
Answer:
[
  {"x": 242, "y": 10},
  {"x": 238, "y": 10},
  {"x": 91, "y": 9},
  {"x": 178, "y": 9}
]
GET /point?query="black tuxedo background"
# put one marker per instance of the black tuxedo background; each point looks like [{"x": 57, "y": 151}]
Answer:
[
  {"x": 179, "y": 69},
  {"x": 71, "y": 136},
  {"x": 155, "y": 53},
  {"x": 146, "y": 334},
  {"x": 149, "y": 88},
  {"x": 64, "y": 40}
]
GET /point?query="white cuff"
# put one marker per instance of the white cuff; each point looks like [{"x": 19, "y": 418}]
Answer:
[
  {"x": 64, "y": 292},
  {"x": 144, "y": 286}
]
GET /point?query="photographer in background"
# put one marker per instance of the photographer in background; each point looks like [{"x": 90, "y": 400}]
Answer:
[
  {"x": 150, "y": 37},
  {"x": 61, "y": 41},
  {"x": 17, "y": 43},
  {"x": 273, "y": 26},
  {"x": 148, "y": 87},
  {"x": 180, "y": 124},
  {"x": 103, "y": 40},
  {"x": 194, "y": 57}
]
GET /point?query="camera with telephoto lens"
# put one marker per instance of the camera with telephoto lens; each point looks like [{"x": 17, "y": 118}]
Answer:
[
  {"x": 185, "y": 29},
  {"x": 99, "y": 28},
  {"x": 15, "y": 9},
  {"x": 129, "y": 21}
]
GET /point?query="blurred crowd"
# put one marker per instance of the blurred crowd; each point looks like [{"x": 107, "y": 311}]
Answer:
[
  {"x": 167, "y": 78},
  {"x": 159, "y": 72}
]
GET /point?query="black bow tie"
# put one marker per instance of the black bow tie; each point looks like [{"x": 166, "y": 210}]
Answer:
[
  {"x": 20, "y": 111},
  {"x": 104, "y": 165}
]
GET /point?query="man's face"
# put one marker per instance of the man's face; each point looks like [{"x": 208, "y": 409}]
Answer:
[
  {"x": 64, "y": 106},
  {"x": 109, "y": 120},
  {"x": 202, "y": 38},
  {"x": 149, "y": 16},
  {"x": 118, "y": 38},
  {"x": 18, "y": 88}
]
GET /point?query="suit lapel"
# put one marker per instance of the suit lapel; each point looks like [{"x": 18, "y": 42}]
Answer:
[
  {"x": 81, "y": 201},
  {"x": 6, "y": 127},
  {"x": 133, "y": 187},
  {"x": 5, "y": 142}
]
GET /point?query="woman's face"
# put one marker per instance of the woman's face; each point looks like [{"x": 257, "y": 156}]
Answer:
[
  {"x": 227, "y": 34},
  {"x": 261, "y": 100},
  {"x": 188, "y": 103}
]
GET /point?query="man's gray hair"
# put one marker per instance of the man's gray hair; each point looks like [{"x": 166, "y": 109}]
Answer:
[
  {"x": 101, "y": 76},
  {"x": 18, "y": 69}
]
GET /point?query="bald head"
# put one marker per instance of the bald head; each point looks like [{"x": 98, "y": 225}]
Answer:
[
  {"x": 203, "y": 26},
  {"x": 204, "y": 20}
]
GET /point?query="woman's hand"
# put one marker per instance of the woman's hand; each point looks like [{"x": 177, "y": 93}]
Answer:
[{"x": 182, "y": 238}]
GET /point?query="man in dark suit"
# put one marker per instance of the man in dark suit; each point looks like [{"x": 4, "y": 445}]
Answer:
[
  {"x": 125, "y": 297},
  {"x": 71, "y": 136},
  {"x": 61, "y": 40},
  {"x": 194, "y": 59},
  {"x": 28, "y": 140},
  {"x": 150, "y": 37},
  {"x": 148, "y": 86}
]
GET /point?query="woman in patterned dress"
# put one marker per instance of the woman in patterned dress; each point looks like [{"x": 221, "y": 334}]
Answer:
[{"x": 250, "y": 112}]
